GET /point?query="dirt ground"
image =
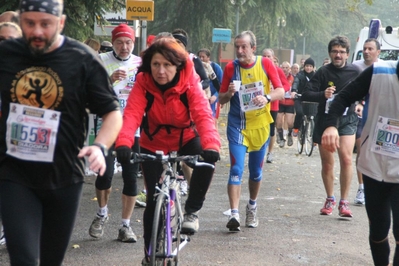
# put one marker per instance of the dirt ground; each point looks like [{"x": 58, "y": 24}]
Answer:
[{"x": 290, "y": 231}]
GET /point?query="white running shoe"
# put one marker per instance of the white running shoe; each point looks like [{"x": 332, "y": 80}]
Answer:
[
  {"x": 251, "y": 220},
  {"x": 183, "y": 187},
  {"x": 269, "y": 157},
  {"x": 2, "y": 238},
  {"x": 234, "y": 222},
  {"x": 360, "y": 197}
]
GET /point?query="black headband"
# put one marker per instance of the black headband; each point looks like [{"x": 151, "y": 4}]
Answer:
[
  {"x": 181, "y": 38},
  {"x": 53, "y": 7}
]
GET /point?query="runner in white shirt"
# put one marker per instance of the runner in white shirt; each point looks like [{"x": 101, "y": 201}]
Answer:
[
  {"x": 371, "y": 51},
  {"x": 121, "y": 66}
]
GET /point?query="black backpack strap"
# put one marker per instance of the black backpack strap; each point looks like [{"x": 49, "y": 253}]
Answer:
[
  {"x": 215, "y": 82},
  {"x": 150, "y": 100},
  {"x": 95, "y": 117},
  {"x": 144, "y": 123},
  {"x": 183, "y": 99}
]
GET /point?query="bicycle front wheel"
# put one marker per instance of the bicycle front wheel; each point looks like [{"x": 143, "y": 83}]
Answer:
[
  {"x": 158, "y": 237},
  {"x": 301, "y": 136},
  {"x": 309, "y": 137}
]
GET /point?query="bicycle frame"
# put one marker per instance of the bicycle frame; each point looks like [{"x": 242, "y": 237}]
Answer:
[{"x": 167, "y": 190}]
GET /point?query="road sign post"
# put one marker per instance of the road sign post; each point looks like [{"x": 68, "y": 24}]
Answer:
[
  {"x": 141, "y": 10},
  {"x": 221, "y": 36}
]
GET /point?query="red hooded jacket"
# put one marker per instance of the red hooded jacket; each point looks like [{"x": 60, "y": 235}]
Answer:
[{"x": 168, "y": 109}]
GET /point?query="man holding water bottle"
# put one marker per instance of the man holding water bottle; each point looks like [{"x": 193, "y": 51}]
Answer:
[{"x": 122, "y": 66}]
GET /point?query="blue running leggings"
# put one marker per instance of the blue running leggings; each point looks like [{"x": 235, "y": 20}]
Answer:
[
  {"x": 38, "y": 223},
  {"x": 237, "y": 160}
]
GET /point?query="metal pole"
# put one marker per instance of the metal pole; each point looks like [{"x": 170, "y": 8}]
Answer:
[
  {"x": 280, "y": 22},
  {"x": 143, "y": 35},
  {"x": 237, "y": 17}
]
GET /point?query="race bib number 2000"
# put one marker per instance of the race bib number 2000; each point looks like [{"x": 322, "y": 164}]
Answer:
[
  {"x": 386, "y": 137},
  {"x": 32, "y": 133}
]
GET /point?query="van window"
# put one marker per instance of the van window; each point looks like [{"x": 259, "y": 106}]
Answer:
[
  {"x": 389, "y": 54},
  {"x": 384, "y": 55}
]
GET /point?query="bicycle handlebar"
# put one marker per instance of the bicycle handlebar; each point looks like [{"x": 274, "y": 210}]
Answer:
[{"x": 162, "y": 158}]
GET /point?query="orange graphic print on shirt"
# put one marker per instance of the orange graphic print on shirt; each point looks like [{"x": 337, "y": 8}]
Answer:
[{"x": 37, "y": 86}]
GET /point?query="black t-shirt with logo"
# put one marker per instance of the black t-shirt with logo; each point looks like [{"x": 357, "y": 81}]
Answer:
[{"x": 70, "y": 80}]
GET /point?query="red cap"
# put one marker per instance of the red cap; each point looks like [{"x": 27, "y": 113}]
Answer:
[
  {"x": 123, "y": 30},
  {"x": 150, "y": 39}
]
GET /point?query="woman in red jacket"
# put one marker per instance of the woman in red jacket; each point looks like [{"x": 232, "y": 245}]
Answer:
[{"x": 165, "y": 78}]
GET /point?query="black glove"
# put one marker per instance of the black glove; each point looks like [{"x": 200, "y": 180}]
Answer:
[
  {"x": 210, "y": 156},
  {"x": 123, "y": 154}
]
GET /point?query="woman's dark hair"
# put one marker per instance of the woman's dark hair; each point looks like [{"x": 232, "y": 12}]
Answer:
[
  {"x": 168, "y": 48},
  {"x": 205, "y": 51}
]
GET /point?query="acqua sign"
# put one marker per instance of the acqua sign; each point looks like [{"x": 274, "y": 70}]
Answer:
[{"x": 141, "y": 10}]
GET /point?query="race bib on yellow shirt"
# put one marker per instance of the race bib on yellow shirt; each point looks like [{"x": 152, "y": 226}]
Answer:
[{"x": 247, "y": 93}]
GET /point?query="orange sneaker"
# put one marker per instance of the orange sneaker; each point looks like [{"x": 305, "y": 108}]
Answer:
[{"x": 295, "y": 132}]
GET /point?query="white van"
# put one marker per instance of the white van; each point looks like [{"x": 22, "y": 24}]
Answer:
[{"x": 387, "y": 36}]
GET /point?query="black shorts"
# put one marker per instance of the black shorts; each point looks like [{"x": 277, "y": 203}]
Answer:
[
  {"x": 347, "y": 126},
  {"x": 288, "y": 109},
  {"x": 273, "y": 125}
]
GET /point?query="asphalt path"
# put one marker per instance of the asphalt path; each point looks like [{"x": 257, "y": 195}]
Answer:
[{"x": 290, "y": 231}]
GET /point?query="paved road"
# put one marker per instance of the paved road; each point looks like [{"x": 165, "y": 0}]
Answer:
[{"x": 290, "y": 232}]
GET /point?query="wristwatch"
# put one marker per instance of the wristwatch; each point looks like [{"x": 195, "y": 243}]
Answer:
[
  {"x": 268, "y": 98},
  {"x": 103, "y": 148}
]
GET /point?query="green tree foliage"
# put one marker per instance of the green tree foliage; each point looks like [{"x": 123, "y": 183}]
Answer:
[
  {"x": 198, "y": 18},
  {"x": 317, "y": 20},
  {"x": 80, "y": 14},
  {"x": 386, "y": 10},
  {"x": 6, "y": 5}
]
